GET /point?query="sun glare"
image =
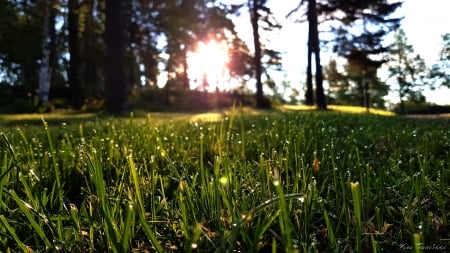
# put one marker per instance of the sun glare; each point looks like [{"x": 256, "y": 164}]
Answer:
[{"x": 208, "y": 67}]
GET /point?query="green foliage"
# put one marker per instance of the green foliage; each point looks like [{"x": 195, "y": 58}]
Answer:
[
  {"x": 277, "y": 181},
  {"x": 358, "y": 84},
  {"x": 408, "y": 70},
  {"x": 440, "y": 71}
]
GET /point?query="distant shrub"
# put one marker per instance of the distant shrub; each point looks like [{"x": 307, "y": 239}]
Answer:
[
  {"x": 16, "y": 99},
  {"x": 176, "y": 99}
]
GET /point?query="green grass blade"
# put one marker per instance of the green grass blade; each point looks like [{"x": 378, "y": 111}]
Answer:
[
  {"x": 417, "y": 243},
  {"x": 135, "y": 180},
  {"x": 148, "y": 231},
  {"x": 13, "y": 234},
  {"x": 128, "y": 228},
  {"x": 356, "y": 194},
  {"x": 24, "y": 207},
  {"x": 57, "y": 173},
  {"x": 330, "y": 229}
]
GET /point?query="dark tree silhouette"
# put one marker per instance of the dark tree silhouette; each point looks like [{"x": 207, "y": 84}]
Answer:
[
  {"x": 261, "y": 16},
  {"x": 116, "y": 88},
  {"x": 254, "y": 7},
  {"x": 74, "y": 62},
  {"x": 314, "y": 48}
]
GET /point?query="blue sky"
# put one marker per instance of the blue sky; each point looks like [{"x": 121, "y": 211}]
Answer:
[{"x": 424, "y": 22}]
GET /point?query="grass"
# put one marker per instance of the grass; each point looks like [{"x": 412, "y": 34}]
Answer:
[{"x": 292, "y": 181}]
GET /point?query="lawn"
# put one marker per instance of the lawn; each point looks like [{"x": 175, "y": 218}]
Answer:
[{"x": 235, "y": 181}]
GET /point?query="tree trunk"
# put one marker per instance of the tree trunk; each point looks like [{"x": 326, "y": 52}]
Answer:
[
  {"x": 366, "y": 94},
  {"x": 254, "y": 7},
  {"x": 74, "y": 62},
  {"x": 320, "y": 94},
  {"x": 90, "y": 78},
  {"x": 44, "y": 70},
  {"x": 361, "y": 91},
  {"x": 185, "y": 77},
  {"x": 52, "y": 42},
  {"x": 315, "y": 48},
  {"x": 309, "y": 96},
  {"x": 116, "y": 90}
]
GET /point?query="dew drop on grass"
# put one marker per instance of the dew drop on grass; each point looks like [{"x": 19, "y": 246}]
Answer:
[
  {"x": 276, "y": 182},
  {"x": 301, "y": 199},
  {"x": 420, "y": 226},
  {"x": 223, "y": 180},
  {"x": 194, "y": 245}
]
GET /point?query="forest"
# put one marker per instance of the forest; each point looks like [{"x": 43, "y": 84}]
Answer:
[{"x": 108, "y": 56}]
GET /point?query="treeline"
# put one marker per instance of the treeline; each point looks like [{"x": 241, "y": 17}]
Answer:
[
  {"x": 85, "y": 53},
  {"x": 96, "y": 54}
]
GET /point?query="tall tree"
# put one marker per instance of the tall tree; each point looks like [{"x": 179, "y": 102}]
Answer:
[
  {"x": 358, "y": 84},
  {"x": 20, "y": 23},
  {"x": 348, "y": 14},
  {"x": 91, "y": 55},
  {"x": 254, "y": 6},
  {"x": 261, "y": 15},
  {"x": 440, "y": 71},
  {"x": 408, "y": 70},
  {"x": 74, "y": 61},
  {"x": 362, "y": 70},
  {"x": 360, "y": 37},
  {"x": 116, "y": 88},
  {"x": 337, "y": 83},
  {"x": 48, "y": 50},
  {"x": 314, "y": 48}
]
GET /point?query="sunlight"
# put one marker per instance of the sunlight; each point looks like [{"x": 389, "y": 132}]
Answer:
[{"x": 208, "y": 67}]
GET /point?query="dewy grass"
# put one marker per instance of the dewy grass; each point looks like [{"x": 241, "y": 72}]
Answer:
[
  {"x": 356, "y": 195},
  {"x": 268, "y": 182}
]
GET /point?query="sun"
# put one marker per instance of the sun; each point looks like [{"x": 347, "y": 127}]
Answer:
[{"x": 208, "y": 67}]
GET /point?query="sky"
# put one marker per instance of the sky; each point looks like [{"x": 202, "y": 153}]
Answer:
[{"x": 424, "y": 22}]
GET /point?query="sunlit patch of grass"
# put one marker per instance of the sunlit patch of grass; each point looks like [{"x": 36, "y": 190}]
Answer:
[
  {"x": 359, "y": 109},
  {"x": 339, "y": 108},
  {"x": 207, "y": 117},
  {"x": 298, "y": 107}
]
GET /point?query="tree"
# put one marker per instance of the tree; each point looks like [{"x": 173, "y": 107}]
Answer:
[
  {"x": 261, "y": 13},
  {"x": 48, "y": 50},
  {"x": 20, "y": 23},
  {"x": 440, "y": 71},
  {"x": 358, "y": 84},
  {"x": 408, "y": 70},
  {"x": 314, "y": 48},
  {"x": 254, "y": 7},
  {"x": 337, "y": 83},
  {"x": 74, "y": 61},
  {"x": 349, "y": 14},
  {"x": 116, "y": 88},
  {"x": 362, "y": 71}
]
